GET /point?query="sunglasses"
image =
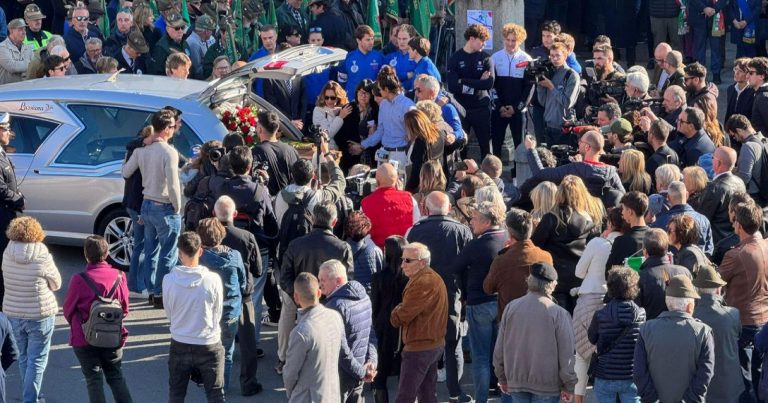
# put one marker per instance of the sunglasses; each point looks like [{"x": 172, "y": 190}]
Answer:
[
  {"x": 410, "y": 260},
  {"x": 316, "y": 29},
  {"x": 81, "y": 18},
  {"x": 327, "y": 98},
  {"x": 178, "y": 28}
]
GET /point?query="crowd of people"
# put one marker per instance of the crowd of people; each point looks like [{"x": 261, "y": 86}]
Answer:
[{"x": 629, "y": 254}]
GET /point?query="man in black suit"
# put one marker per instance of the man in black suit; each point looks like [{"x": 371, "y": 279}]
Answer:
[
  {"x": 717, "y": 195},
  {"x": 288, "y": 97},
  {"x": 131, "y": 56},
  {"x": 245, "y": 243}
]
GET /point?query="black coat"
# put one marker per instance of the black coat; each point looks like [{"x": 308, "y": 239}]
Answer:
[
  {"x": 291, "y": 105},
  {"x": 654, "y": 274},
  {"x": 252, "y": 199},
  {"x": 334, "y": 28},
  {"x": 625, "y": 246},
  {"x": 759, "y": 117},
  {"x": 139, "y": 64},
  {"x": 663, "y": 8},
  {"x": 714, "y": 203},
  {"x": 354, "y": 130},
  {"x": 306, "y": 253},
  {"x": 386, "y": 294},
  {"x": 663, "y": 155},
  {"x": 133, "y": 192},
  {"x": 608, "y": 324},
  {"x": 739, "y": 103},
  {"x": 564, "y": 234},
  {"x": 245, "y": 243}
]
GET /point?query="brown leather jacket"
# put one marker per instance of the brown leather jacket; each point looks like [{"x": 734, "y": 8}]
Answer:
[
  {"x": 509, "y": 271},
  {"x": 423, "y": 314},
  {"x": 745, "y": 268}
]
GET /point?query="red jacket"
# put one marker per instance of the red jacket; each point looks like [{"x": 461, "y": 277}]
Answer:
[
  {"x": 77, "y": 304},
  {"x": 390, "y": 211}
]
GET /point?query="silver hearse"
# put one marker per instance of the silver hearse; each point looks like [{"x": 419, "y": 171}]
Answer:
[{"x": 71, "y": 133}]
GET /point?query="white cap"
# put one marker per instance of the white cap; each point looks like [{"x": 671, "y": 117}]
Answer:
[{"x": 5, "y": 119}]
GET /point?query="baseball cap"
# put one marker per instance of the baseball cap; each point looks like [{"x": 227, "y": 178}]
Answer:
[
  {"x": 136, "y": 41},
  {"x": 17, "y": 23},
  {"x": 175, "y": 20},
  {"x": 621, "y": 126},
  {"x": 205, "y": 22}
]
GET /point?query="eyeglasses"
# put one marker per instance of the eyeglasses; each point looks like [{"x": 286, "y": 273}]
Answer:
[
  {"x": 178, "y": 28},
  {"x": 333, "y": 98},
  {"x": 81, "y": 18},
  {"x": 410, "y": 260}
]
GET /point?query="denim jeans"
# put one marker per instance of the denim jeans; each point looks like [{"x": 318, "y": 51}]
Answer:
[
  {"x": 607, "y": 390},
  {"x": 258, "y": 292},
  {"x": 228, "y": 334},
  {"x": 418, "y": 376},
  {"x": 136, "y": 280},
  {"x": 162, "y": 227},
  {"x": 750, "y": 360},
  {"x": 93, "y": 362},
  {"x": 482, "y": 338},
  {"x": 526, "y": 397},
  {"x": 207, "y": 360},
  {"x": 33, "y": 338}
]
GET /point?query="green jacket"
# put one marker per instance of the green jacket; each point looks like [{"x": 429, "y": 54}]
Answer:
[
  {"x": 164, "y": 47},
  {"x": 285, "y": 18}
]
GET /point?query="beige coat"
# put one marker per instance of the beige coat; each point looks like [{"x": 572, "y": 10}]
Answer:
[
  {"x": 13, "y": 61},
  {"x": 30, "y": 277}
]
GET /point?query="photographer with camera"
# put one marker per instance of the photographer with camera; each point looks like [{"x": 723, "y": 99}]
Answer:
[
  {"x": 636, "y": 87},
  {"x": 596, "y": 175},
  {"x": 558, "y": 94},
  {"x": 513, "y": 92},
  {"x": 607, "y": 113},
  {"x": 278, "y": 156},
  {"x": 620, "y": 139}
]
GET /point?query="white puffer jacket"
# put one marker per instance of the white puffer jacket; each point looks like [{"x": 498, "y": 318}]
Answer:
[{"x": 30, "y": 277}]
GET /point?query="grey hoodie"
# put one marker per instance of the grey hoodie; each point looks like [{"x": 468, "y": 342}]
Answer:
[
  {"x": 193, "y": 299},
  {"x": 558, "y": 102}
]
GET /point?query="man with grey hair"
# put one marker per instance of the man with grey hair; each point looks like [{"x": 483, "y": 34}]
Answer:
[
  {"x": 473, "y": 264},
  {"x": 427, "y": 88},
  {"x": 305, "y": 254},
  {"x": 422, "y": 317},
  {"x": 673, "y": 65},
  {"x": 726, "y": 385},
  {"x": 536, "y": 361},
  {"x": 675, "y": 353},
  {"x": 312, "y": 358},
  {"x": 636, "y": 86},
  {"x": 440, "y": 232},
  {"x": 358, "y": 358},
  {"x": 677, "y": 195},
  {"x": 15, "y": 55},
  {"x": 199, "y": 41},
  {"x": 80, "y": 32},
  {"x": 244, "y": 242},
  {"x": 93, "y": 52}
]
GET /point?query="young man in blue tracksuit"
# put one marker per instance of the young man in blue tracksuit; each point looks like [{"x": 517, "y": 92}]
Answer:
[{"x": 361, "y": 63}]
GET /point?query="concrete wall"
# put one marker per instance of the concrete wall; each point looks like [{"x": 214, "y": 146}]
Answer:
[{"x": 504, "y": 11}]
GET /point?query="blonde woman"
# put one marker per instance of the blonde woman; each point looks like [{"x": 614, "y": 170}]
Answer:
[
  {"x": 431, "y": 178},
  {"x": 331, "y": 108},
  {"x": 632, "y": 172},
  {"x": 695, "y": 180},
  {"x": 543, "y": 199},
  {"x": 31, "y": 278},
  {"x": 564, "y": 233},
  {"x": 426, "y": 144},
  {"x": 144, "y": 20},
  {"x": 435, "y": 115}
]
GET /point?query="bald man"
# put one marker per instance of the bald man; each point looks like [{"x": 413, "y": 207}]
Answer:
[
  {"x": 311, "y": 371},
  {"x": 716, "y": 197},
  {"x": 597, "y": 176},
  {"x": 391, "y": 211},
  {"x": 660, "y": 75}
]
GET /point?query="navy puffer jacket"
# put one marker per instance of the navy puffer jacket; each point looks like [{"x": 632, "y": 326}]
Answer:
[
  {"x": 607, "y": 324},
  {"x": 352, "y": 302}
]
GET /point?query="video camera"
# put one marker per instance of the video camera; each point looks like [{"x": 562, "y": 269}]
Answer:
[
  {"x": 318, "y": 135},
  {"x": 360, "y": 185},
  {"x": 600, "y": 89},
  {"x": 636, "y": 104},
  {"x": 538, "y": 69},
  {"x": 563, "y": 153}
]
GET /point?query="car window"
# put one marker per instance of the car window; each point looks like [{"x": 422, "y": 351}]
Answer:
[
  {"x": 185, "y": 140},
  {"x": 108, "y": 130},
  {"x": 29, "y": 133}
]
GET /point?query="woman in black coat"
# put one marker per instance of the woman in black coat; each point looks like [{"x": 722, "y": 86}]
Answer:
[
  {"x": 357, "y": 126},
  {"x": 387, "y": 292},
  {"x": 427, "y": 144}
]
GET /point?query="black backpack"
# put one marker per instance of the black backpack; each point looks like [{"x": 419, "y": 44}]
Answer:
[
  {"x": 104, "y": 327},
  {"x": 297, "y": 220},
  {"x": 199, "y": 206}
]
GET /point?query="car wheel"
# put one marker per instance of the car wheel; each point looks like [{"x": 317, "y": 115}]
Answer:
[{"x": 117, "y": 229}]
